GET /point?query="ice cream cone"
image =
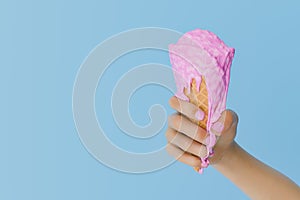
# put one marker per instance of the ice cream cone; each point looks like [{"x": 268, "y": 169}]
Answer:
[
  {"x": 199, "y": 97},
  {"x": 202, "y": 54}
]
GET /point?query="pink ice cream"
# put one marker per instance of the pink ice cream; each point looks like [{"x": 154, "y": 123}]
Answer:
[{"x": 201, "y": 53}]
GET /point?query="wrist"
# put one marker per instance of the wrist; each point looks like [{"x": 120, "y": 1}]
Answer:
[{"x": 227, "y": 155}]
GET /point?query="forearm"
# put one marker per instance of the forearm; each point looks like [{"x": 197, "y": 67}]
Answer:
[{"x": 254, "y": 178}]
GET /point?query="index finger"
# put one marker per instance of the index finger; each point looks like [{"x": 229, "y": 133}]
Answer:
[{"x": 186, "y": 108}]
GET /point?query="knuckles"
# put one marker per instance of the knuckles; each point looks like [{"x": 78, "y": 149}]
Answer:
[
  {"x": 170, "y": 134},
  {"x": 174, "y": 121},
  {"x": 168, "y": 149}
]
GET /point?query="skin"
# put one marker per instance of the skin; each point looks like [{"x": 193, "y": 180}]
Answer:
[{"x": 187, "y": 140}]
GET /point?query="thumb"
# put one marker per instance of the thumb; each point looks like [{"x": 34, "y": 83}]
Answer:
[{"x": 226, "y": 125}]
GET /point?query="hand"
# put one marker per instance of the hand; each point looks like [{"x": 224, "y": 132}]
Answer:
[{"x": 187, "y": 141}]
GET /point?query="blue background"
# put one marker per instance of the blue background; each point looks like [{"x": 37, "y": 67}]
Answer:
[{"x": 42, "y": 45}]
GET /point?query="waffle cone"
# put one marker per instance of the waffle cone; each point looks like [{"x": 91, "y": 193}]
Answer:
[{"x": 199, "y": 97}]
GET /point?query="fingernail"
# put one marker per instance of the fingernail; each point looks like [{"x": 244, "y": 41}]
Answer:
[
  {"x": 199, "y": 115},
  {"x": 207, "y": 140},
  {"x": 210, "y": 140},
  {"x": 218, "y": 127}
]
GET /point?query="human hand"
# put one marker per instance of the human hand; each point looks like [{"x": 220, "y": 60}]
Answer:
[{"x": 187, "y": 141}]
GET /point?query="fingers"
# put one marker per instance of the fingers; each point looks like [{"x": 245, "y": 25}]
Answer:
[
  {"x": 186, "y": 140},
  {"x": 186, "y": 108},
  {"x": 183, "y": 156},
  {"x": 183, "y": 125},
  {"x": 185, "y": 143}
]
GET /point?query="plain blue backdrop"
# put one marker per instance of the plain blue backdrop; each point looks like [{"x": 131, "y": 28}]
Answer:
[{"x": 43, "y": 43}]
